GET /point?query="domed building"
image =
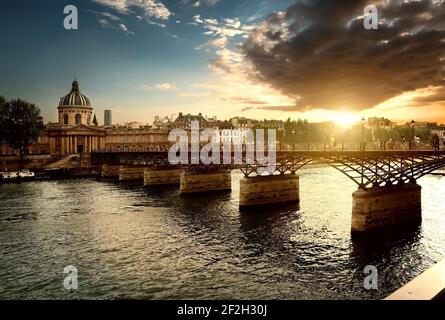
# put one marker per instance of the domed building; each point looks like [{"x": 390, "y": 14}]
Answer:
[
  {"x": 76, "y": 131},
  {"x": 75, "y": 108}
]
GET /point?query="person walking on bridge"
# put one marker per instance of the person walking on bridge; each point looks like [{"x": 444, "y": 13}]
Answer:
[{"x": 435, "y": 141}]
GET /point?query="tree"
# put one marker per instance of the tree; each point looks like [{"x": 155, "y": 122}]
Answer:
[{"x": 21, "y": 125}]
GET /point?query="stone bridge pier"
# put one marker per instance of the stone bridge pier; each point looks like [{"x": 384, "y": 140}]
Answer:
[
  {"x": 131, "y": 173},
  {"x": 162, "y": 177},
  {"x": 196, "y": 181},
  {"x": 264, "y": 190},
  {"x": 110, "y": 171},
  {"x": 381, "y": 207}
]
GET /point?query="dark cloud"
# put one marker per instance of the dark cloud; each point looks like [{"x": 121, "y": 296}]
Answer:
[
  {"x": 319, "y": 52},
  {"x": 435, "y": 97},
  {"x": 248, "y": 101}
]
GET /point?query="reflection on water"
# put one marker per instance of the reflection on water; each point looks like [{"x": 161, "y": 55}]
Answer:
[{"x": 131, "y": 242}]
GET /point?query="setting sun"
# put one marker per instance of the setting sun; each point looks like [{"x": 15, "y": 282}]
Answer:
[{"x": 345, "y": 119}]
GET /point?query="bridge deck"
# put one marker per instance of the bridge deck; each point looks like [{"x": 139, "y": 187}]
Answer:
[{"x": 366, "y": 168}]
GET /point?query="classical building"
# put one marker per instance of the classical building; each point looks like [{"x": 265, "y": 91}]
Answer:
[
  {"x": 74, "y": 132},
  {"x": 142, "y": 138},
  {"x": 184, "y": 121},
  {"x": 162, "y": 122}
]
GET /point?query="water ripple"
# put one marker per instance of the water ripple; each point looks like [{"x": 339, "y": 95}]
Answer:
[{"x": 131, "y": 242}]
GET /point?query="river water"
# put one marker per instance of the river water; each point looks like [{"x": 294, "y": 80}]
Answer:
[{"x": 131, "y": 242}]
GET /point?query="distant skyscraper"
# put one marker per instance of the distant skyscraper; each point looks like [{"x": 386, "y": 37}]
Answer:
[{"x": 107, "y": 118}]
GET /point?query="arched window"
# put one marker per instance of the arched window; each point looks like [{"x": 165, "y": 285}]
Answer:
[
  {"x": 78, "y": 119},
  {"x": 65, "y": 119}
]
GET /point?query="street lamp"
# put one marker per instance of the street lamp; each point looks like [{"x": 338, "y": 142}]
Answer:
[
  {"x": 411, "y": 142},
  {"x": 362, "y": 145},
  {"x": 293, "y": 138}
]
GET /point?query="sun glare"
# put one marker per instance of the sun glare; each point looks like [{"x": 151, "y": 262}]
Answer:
[{"x": 345, "y": 119}]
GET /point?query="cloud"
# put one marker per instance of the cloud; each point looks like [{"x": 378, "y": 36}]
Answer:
[
  {"x": 110, "y": 21},
  {"x": 124, "y": 28},
  {"x": 223, "y": 27},
  {"x": 159, "y": 87},
  {"x": 319, "y": 54},
  {"x": 233, "y": 86},
  {"x": 216, "y": 43},
  {"x": 160, "y": 25},
  {"x": 200, "y": 3},
  {"x": 152, "y": 9},
  {"x": 105, "y": 15},
  {"x": 185, "y": 94},
  {"x": 165, "y": 86},
  {"x": 236, "y": 91},
  {"x": 287, "y": 108},
  {"x": 226, "y": 34}
]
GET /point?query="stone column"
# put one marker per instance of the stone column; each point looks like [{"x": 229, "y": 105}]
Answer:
[
  {"x": 158, "y": 177},
  {"x": 264, "y": 190},
  {"x": 198, "y": 182},
  {"x": 62, "y": 145},
  {"x": 110, "y": 171},
  {"x": 75, "y": 144},
  {"x": 131, "y": 173},
  {"x": 52, "y": 145},
  {"x": 376, "y": 208}
]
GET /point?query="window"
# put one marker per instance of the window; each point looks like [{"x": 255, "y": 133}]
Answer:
[
  {"x": 78, "y": 119},
  {"x": 65, "y": 119}
]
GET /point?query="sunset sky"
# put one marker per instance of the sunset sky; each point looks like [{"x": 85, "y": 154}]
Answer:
[{"x": 269, "y": 59}]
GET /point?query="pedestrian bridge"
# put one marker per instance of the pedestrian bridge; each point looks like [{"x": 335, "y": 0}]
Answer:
[{"x": 387, "y": 194}]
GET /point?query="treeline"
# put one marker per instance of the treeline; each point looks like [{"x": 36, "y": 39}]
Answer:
[
  {"x": 20, "y": 124},
  {"x": 302, "y": 131}
]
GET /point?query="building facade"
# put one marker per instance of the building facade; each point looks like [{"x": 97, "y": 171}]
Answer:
[
  {"x": 143, "y": 138},
  {"x": 74, "y": 132}
]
